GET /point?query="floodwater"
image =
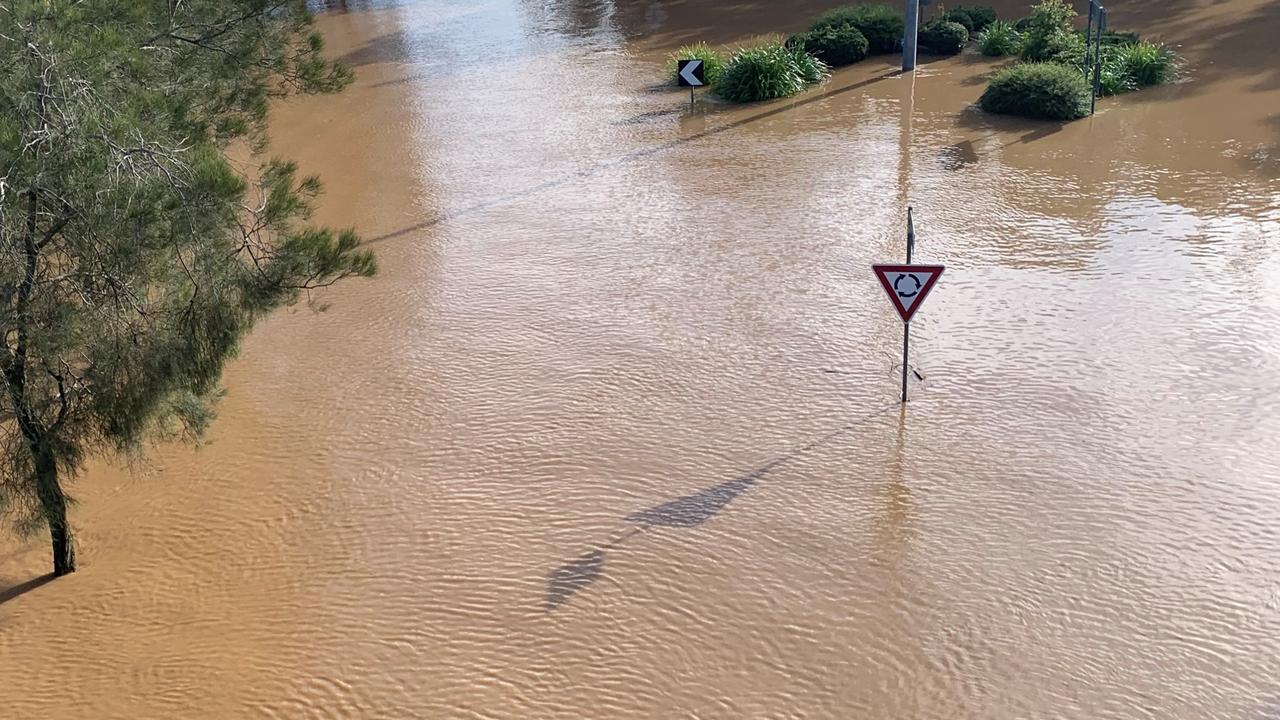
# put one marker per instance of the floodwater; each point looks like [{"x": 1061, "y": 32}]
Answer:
[{"x": 614, "y": 434}]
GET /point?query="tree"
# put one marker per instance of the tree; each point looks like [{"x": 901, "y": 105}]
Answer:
[{"x": 134, "y": 255}]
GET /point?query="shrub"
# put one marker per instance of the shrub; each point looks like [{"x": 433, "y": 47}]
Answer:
[
  {"x": 1066, "y": 49},
  {"x": 882, "y": 25},
  {"x": 943, "y": 37},
  {"x": 712, "y": 62},
  {"x": 835, "y": 46},
  {"x": 1000, "y": 39},
  {"x": 768, "y": 71},
  {"x": 1022, "y": 24},
  {"x": 1048, "y": 30},
  {"x": 1145, "y": 63},
  {"x": 974, "y": 18},
  {"x": 1045, "y": 91}
]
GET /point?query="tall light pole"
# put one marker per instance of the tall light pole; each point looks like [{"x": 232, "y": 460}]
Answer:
[{"x": 909, "y": 37}]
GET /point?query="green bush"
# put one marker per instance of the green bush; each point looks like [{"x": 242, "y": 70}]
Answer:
[
  {"x": 835, "y": 46},
  {"x": 1047, "y": 91},
  {"x": 943, "y": 37},
  {"x": 1049, "y": 31},
  {"x": 1022, "y": 24},
  {"x": 882, "y": 25},
  {"x": 712, "y": 62},
  {"x": 1066, "y": 49},
  {"x": 1145, "y": 63},
  {"x": 767, "y": 71},
  {"x": 974, "y": 18},
  {"x": 1000, "y": 39}
]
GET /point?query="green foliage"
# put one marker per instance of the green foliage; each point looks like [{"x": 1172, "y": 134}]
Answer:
[
  {"x": 1119, "y": 37},
  {"x": 767, "y": 71},
  {"x": 1000, "y": 39},
  {"x": 1113, "y": 78},
  {"x": 882, "y": 25},
  {"x": 836, "y": 46},
  {"x": 1145, "y": 63},
  {"x": 1047, "y": 91},
  {"x": 133, "y": 256},
  {"x": 712, "y": 62},
  {"x": 974, "y": 18},
  {"x": 1049, "y": 31},
  {"x": 943, "y": 37},
  {"x": 1066, "y": 49}
]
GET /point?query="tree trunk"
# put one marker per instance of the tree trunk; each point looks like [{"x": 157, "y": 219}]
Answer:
[{"x": 54, "y": 504}]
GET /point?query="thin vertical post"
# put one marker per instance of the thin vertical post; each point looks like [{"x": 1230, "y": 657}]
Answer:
[
  {"x": 690, "y": 97},
  {"x": 906, "y": 349},
  {"x": 1088, "y": 35},
  {"x": 1097, "y": 59},
  {"x": 906, "y": 326},
  {"x": 911, "y": 235},
  {"x": 909, "y": 38}
]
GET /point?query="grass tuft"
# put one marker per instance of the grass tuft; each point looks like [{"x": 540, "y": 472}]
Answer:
[
  {"x": 1000, "y": 39},
  {"x": 712, "y": 62},
  {"x": 768, "y": 71}
]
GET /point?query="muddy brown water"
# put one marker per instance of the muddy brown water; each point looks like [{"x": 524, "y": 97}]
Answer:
[{"x": 613, "y": 435}]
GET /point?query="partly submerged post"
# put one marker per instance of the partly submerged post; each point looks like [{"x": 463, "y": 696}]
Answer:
[
  {"x": 906, "y": 326},
  {"x": 1097, "y": 58},
  {"x": 909, "y": 37}
]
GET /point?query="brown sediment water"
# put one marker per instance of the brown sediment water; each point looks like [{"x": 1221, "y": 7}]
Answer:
[{"x": 614, "y": 434}]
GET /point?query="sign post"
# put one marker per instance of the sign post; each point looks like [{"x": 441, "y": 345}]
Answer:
[
  {"x": 691, "y": 74},
  {"x": 912, "y": 23},
  {"x": 907, "y": 286}
]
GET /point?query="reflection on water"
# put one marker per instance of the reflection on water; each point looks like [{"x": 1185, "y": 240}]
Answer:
[{"x": 614, "y": 433}]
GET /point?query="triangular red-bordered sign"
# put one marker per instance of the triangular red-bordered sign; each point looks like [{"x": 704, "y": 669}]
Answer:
[{"x": 908, "y": 285}]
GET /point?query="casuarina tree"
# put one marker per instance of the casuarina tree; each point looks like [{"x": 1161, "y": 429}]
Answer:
[{"x": 134, "y": 255}]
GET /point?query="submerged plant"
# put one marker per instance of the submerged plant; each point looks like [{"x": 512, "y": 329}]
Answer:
[
  {"x": 712, "y": 62},
  {"x": 1046, "y": 91},
  {"x": 1049, "y": 31},
  {"x": 943, "y": 37},
  {"x": 835, "y": 46},
  {"x": 974, "y": 18},
  {"x": 1146, "y": 63},
  {"x": 1000, "y": 39},
  {"x": 768, "y": 71},
  {"x": 882, "y": 25},
  {"x": 1113, "y": 77}
]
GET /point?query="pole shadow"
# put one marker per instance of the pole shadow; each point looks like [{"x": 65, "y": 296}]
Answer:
[{"x": 688, "y": 511}]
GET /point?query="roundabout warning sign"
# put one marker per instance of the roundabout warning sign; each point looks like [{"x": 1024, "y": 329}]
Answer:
[{"x": 907, "y": 285}]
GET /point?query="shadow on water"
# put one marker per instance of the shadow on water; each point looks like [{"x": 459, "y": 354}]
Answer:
[
  {"x": 695, "y": 509},
  {"x": 628, "y": 158},
  {"x": 24, "y": 588},
  {"x": 571, "y": 577},
  {"x": 684, "y": 512},
  {"x": 958, "y": 156}
]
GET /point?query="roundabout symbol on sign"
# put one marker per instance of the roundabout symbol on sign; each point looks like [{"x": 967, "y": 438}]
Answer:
[{"x": 903, "y": 293}]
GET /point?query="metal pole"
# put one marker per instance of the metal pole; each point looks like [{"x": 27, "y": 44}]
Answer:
[
  {"x": 1088, "y": 33},
  {"x": 1097, "y": 60},
  {"x": 911, "y": 235},
  {"x": 906, "y": 326},
  {"x": 909, "y": 38},
  {"x": 690, "y": 97},
  {"x": 906, "y": 349}
]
